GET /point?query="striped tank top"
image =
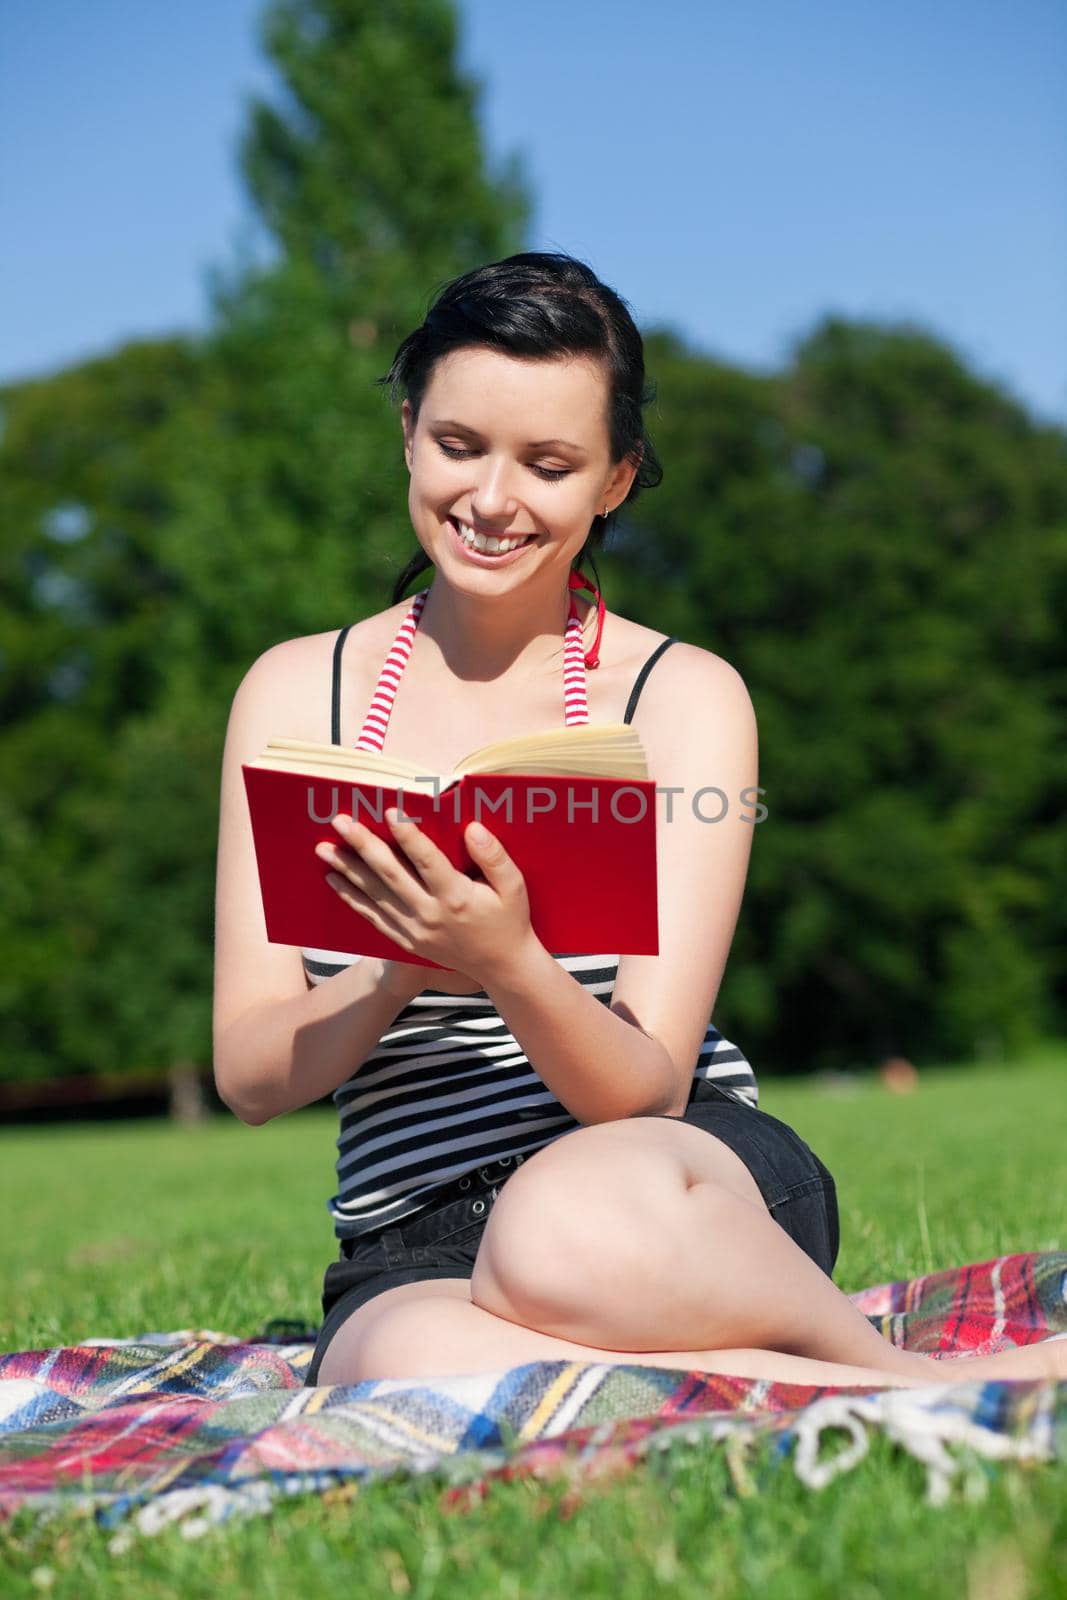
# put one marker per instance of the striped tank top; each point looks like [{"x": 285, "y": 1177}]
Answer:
[{"x": 448, "y": 1088}]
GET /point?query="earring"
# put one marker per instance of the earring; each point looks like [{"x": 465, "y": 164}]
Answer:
[{"x": 605, "y": 511}]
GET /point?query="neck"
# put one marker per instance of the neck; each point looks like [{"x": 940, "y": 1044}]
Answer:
[{"x": 484, "y": 637}]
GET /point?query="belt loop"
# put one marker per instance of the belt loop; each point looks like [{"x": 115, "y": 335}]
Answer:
[{"x": 393, "y": 1247}]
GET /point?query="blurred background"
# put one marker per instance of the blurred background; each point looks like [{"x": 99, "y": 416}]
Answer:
[{"x": 843, "y": 233}]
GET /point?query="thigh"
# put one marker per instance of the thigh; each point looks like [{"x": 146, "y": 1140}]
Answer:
[
  {"x": 433, "y": 1253},
  {"x": 797, "y": 1188},
  {"x": 594, "y": 1155},
  {"x": 353, "y": 1313}
]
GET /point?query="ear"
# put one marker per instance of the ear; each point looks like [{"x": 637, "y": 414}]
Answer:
[
  {"x": 405, "y": 420},
  {"x": 618, "y": 485}
]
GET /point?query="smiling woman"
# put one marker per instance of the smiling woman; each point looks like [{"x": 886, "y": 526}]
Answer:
[
  {"x": 499, "y": 491},
  {"x": 544, "y": 1155}
]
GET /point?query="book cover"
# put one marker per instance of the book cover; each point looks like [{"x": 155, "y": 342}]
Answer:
[{"x": 586, "y": 848}]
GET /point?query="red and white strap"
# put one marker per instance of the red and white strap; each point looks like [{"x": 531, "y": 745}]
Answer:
[
  {"x": 377, "y": 720},
  {"x": 575, "y": 661}
]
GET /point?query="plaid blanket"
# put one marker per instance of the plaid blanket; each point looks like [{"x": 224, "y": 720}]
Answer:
[{"x": 197, "y": 1426}]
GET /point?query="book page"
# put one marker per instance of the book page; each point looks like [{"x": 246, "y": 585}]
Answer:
[
  {"x": 607, "y": 750},
  {"x": 610, "y": 750},
  {"x": 349, "y": 765}
]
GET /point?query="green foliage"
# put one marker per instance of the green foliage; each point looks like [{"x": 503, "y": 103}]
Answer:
[
  {"x": 368, "y": 168},
  {"x": 875, "y": 538},
  {"x": 372, "y": 173},
  {"x": 86, "y": 487},
  {"x": 206, "y": 501}
]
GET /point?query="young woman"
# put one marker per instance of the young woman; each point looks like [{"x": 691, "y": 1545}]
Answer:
[{"x": 540, "y": 1155}]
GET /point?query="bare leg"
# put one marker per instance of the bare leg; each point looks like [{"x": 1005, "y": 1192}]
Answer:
[
  {"x": 772, "y": 1292},
  {"x": 438, "y": 1335},
  {"x": 1046, "y": 1359},
  {"x": 748, "y": 1285},
  {"x": 672, "y": 1260}
]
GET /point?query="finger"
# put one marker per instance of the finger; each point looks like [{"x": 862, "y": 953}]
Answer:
[
  {"x": 431, "y": 864},
  {"x": 350, "y": 875},
  {"x": 375, "y": 912},
  {"x": 350, "y": 868},
  {"x": 380, "y": 860},
  {"x": 500, "y": 870}
]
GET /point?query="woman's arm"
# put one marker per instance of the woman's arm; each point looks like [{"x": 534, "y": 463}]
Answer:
[
  {"x": 277, "y": 1044},
  {"x": 699, "y": 730},
  {"x": 282, "y": 1054},
  {"x": 597, "y": 1064}
]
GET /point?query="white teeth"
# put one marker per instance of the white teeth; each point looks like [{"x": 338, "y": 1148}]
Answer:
[{"x": 490, "y": 545}]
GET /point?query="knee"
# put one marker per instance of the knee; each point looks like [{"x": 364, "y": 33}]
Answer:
[{"x": 554, "y": 1248}]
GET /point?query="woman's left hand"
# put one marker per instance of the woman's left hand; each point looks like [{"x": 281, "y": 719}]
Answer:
[{"x": 424, "y": 903}]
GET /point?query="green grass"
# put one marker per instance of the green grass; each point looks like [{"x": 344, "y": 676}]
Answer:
[{"x": 117, "y": 1230}]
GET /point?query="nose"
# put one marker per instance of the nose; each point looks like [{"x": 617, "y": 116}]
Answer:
[{"x": 492, "y": 496}]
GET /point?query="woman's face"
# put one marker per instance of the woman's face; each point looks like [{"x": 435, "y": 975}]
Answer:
[{"x": 509, "y": 449}]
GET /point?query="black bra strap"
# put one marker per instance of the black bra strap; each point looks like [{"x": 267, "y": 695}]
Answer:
[
  {"x": 335, "y": 721},
  {"x": 635, "y": 692}
]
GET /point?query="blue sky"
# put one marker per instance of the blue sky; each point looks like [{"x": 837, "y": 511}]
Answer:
[{"x": 734, "y": 168}]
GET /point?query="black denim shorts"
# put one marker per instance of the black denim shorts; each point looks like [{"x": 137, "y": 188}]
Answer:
[{"x": 443, "y": 1242}]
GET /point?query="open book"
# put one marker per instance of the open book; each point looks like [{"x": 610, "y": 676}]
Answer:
[{"x": 573, "y": 807}]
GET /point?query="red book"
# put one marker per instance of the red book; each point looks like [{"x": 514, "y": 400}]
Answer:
[{"x": 585, "y": 843}]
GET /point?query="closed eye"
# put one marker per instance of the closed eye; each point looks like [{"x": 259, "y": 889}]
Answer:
[{"x": 550, "y": 473}]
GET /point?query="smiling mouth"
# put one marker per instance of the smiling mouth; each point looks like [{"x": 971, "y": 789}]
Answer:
[{"x": 489, "y": 544}]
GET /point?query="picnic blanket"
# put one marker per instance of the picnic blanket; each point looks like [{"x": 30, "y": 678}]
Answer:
[{"x": 196, "y": 1427}]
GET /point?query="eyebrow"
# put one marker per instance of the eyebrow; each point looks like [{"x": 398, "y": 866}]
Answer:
[{"x": 533, "y": 444}]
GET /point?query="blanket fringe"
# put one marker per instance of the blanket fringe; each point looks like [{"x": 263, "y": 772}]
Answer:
[
  {"x": 195, "y": 1511},
  {"x": 925, "y": 1429}
]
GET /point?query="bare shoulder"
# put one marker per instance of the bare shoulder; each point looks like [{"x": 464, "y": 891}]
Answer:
[
  {"x": 294, "y": 677},
  {"x": 312, "y": 649},
  {"x": 684, "y": 679},
  {"x": 692, "y": 669},
  {"x": 281, "y": 683}
]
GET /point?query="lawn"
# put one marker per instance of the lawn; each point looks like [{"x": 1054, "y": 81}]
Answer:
[{"x": 116, "y": 1230}]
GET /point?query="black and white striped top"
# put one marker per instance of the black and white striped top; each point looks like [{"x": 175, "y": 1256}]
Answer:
[{"x": 448, "y": 1088}]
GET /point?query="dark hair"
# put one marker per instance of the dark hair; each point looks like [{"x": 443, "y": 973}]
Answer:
[{"x": 537, "y": 305}]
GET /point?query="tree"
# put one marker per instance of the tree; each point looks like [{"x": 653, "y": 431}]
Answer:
[
  {"x": 269, "y": 508},
  {"x": 876, "y": 541},
  {"x": 84, "y": 494},
  {"x": 875, "y": 538},
  {"x": 369, "y": 172}
]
